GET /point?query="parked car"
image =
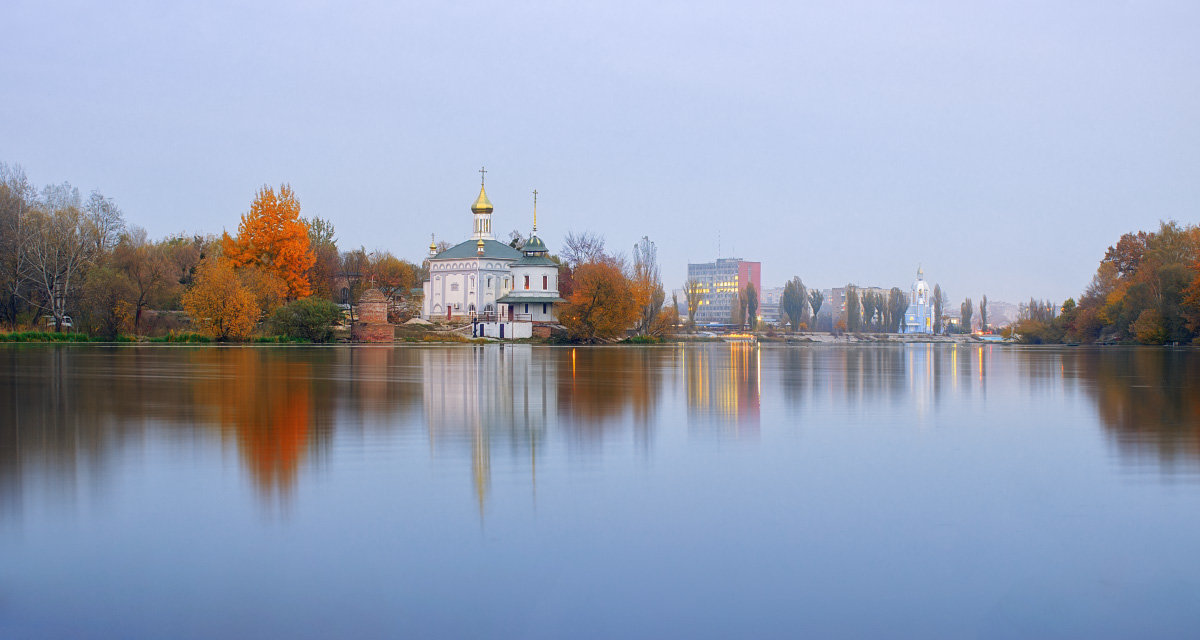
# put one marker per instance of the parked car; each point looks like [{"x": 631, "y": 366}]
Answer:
[{"x": 48, "y": 321}]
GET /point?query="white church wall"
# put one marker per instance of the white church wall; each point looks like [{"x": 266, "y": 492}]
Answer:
[{"x": 512, "y": 330}]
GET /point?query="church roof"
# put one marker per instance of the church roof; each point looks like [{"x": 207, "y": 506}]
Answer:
[
  {"x": 535, "y": 261},
  {"x": 534, "y": 253},
  {"x": 534, "y": 244},
  {"x": 470, "y": 249}
]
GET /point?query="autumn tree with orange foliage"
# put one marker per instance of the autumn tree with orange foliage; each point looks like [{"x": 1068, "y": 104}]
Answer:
[
  {"x": 392, "y": 276},
  {"x": 272, "y": 237},
  {"x": 602, "y": 304},
  {"x": 219, "y": 304},
  {"x": 1146, "y": 289}
]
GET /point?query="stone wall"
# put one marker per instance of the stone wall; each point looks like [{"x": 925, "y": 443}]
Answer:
[
  {"x": 372, "y": 324},
  {"x": 372, "y": 332},
  {"x": 372, "y": 307}
]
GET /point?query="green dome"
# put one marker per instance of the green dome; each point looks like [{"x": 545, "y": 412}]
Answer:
[{"x": 534, "y": 245}]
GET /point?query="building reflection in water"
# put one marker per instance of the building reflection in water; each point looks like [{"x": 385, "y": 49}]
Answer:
[
  {"x": 509, "y": 398},
  {"x": 723, "y": 388},
  {"x": 69, "y": 412},
  {"x": 475, "y": 395}
]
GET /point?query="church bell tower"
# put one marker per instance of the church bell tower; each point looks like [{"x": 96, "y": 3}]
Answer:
[{"x": 482, "y": 211}]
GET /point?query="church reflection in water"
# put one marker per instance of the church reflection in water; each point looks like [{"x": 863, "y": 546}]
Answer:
[
  {"x": 478, "y": 395},
  {"x": 70, "y": 411}
]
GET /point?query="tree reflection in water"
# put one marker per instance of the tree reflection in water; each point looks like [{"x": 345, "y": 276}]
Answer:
[
  {"x": 68, "y": 411},
  {"x": 1147, "y": 398},
  {"x": 262, "y": 399}
]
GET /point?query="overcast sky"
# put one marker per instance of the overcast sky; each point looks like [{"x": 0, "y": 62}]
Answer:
[{"x": 1002, "y": 146}]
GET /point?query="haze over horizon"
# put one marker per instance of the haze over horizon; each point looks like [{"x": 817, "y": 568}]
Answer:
[{"x": 1003, "y": 148}]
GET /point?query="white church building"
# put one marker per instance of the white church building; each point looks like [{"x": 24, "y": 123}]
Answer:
[
  {"x": 489, "y": 281},
  {"x": 918, "y": 318}
]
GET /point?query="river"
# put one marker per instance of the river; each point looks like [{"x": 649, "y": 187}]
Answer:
[{"x": 546, "y": 492}]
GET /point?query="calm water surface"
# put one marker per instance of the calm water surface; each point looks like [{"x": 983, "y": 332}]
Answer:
[{"x": 545, "y": 492}]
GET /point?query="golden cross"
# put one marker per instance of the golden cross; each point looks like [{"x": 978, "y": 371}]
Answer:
[
  {"x": 535, "y": 209},
  {"x": 482, "y": 172}
]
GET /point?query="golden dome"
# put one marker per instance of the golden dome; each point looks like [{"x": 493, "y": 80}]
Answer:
[{"x": 482, "y": 204}]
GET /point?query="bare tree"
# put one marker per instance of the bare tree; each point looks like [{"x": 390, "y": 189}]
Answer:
[
  {"x": 105, "y": 218},
  {"x": 17, "y": 199},
  {"x": 582, "y": 248},
  {"x": 515, "y": 239},
  {"x": 60, "y": 245},
  {"x": 647, "y": 284}
]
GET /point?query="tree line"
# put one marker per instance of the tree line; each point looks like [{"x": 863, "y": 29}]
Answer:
[
  {"x": 1146, "y": 290},
  {"x": 70, "y": 262}
]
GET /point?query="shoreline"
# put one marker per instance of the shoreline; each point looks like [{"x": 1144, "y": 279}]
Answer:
[{"x": 828, "y": 341}]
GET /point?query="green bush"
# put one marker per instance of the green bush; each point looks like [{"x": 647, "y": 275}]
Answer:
[
  {"x": 182, "y": 337},
  {"x": 280, "y": 340},
  {"x": 643, "y": 340},
  {"x": 311, "y": 319},
  {"x": 44, "y": 336}
]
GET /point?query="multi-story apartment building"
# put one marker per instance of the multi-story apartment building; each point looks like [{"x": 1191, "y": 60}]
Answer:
[
  {"x": 719, "y": 283},
  {"x": 768, "y": 305}
]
